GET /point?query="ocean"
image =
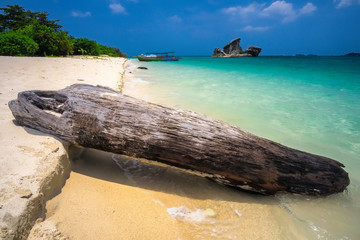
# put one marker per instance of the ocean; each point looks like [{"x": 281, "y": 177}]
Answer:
[{"x": 308, "y": 103}]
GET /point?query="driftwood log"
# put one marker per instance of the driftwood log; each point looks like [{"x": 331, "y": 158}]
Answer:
[{"x": 101, "y": 118}]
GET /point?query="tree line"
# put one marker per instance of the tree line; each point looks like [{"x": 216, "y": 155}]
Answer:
[{"x": 27, "y": 33}]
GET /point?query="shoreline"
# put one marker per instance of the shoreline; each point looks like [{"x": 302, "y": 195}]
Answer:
[
  {"x": 134, "y": 85},
  {"x": 122, "y": 77},
  {"x": 138, "y": 200},
  {"x": 107, "y": 196},
  {"x": 197, "y": 209}
]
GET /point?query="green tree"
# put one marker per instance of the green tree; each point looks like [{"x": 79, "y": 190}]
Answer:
[
  {"x": 47, "y": 34},
  {"x": 15, "y": 44},
  {"x": 84, "y": 45},
  {"x": 15, "y": 17},
  {"x": 49, "y": 41},
  {"x": 118, "y": 53},
  {"x": 111, "y": 51}
]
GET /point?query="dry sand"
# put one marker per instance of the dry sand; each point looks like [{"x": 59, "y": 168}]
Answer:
[
  {"x": 34, "y": 165},
  {"x": 108, "y": 196}
]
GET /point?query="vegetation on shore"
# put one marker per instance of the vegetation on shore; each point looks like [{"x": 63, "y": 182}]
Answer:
[{"x": 26, "y": 33}]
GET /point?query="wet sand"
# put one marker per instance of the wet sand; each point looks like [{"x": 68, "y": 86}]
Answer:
[
  {"x": 108, "y": 196},
  {"x": 112, "y": 197}
]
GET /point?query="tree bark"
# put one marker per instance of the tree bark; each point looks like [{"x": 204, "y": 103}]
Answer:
[{"x": 101, "y": 118}]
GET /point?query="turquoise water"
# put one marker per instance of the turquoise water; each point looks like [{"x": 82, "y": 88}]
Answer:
[{"x": 308, "y": 103}]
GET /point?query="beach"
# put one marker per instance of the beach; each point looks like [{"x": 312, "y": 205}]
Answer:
[
  {"x": 198, "y": 120},
  {"x": 68, "y": 192},
  {"x": 98, "y": 199},
  {"x": 105, "y": 196},
  {"x": 34, "y": 166}
]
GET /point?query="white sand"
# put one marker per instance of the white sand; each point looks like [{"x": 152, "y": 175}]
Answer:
[
  {"x": 105, "y": 199},
  {"x": 33, "y": 165}
]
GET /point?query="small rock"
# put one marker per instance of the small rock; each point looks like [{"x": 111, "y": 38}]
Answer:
[
  {"x": 253, "y": 51},
  {"x": 26, "y": 193},
  {"x": 218, "y": 53},
  {"x": 144, "y": 68}
]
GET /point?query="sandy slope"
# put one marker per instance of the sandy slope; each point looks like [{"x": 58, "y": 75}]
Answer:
[{"x": 33, "y": 165}]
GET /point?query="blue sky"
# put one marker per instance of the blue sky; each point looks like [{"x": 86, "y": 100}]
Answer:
[{"x": 189, "y": 27}]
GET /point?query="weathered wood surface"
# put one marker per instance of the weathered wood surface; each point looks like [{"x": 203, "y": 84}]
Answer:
[{"x": 101, "y": 118}]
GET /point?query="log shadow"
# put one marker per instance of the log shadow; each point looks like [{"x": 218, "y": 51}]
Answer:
[
  {"x": 156, "y": 177},
  {"x": 37, "y": 133},
  {"x": 124, "y": 170},
  {"x": 128, "y": 171}
]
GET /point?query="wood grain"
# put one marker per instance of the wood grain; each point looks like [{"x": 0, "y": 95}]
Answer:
[{"x": 101, "y": 118}]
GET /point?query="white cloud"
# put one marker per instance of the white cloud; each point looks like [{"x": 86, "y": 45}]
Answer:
[
  {"x": 250, "y": 28},
  {"x": 308, "y": 8},
  {"x": 345, "y": 3},
  {"x": 287, "y": 11},
  {"x": 80, "y": 14},
  {"x": 282, "y": 9},
  {"x": 117, "y": 8},
  {"x": 175, "y": 19},
  {"x": 243, "y": 10}
]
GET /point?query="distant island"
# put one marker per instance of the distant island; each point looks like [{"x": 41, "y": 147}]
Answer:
[
  {"x": 352, "y": 54},
  {"x": 303, "y": 55},
  {"x": 233, "y": 49}
]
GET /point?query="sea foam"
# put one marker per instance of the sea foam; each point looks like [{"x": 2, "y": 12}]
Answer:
[{"x": 183, "y": 213}]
